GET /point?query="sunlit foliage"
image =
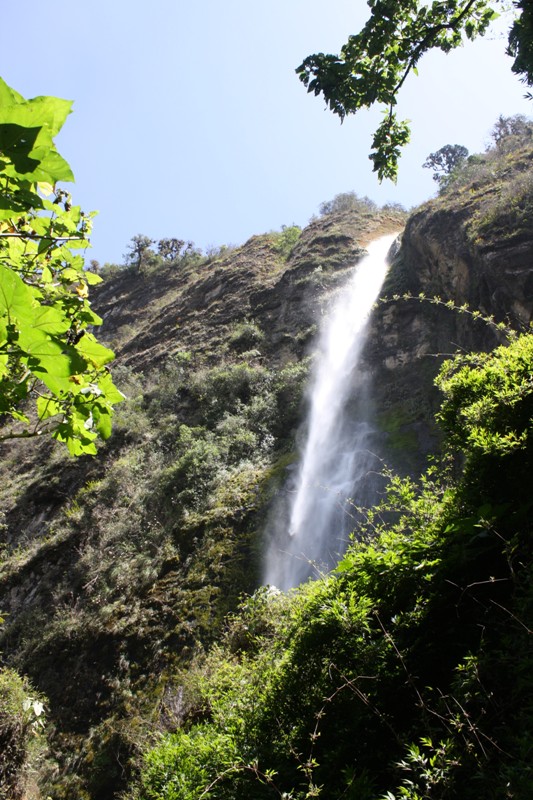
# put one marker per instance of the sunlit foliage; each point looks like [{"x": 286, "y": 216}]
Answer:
[
  {"x": 53, "y": 373},
  {"x": 374, "y": 64}
]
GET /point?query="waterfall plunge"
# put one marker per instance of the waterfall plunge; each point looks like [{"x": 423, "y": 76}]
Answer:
[{"x": 335, "y": 461}]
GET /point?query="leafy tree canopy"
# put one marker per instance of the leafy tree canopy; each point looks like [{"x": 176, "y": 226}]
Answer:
[
  {"x": 347, "y": 201},
  {"x": 53, "y": 373},
  {"x": 521, "y": 42},
  {"x": 444, "y": 161},
  {"x": 139, "y": 251},
  {"x": 170, "y": 249},
  {"x": 374, "y": 64},
  {"x": 518, "y": 128}
]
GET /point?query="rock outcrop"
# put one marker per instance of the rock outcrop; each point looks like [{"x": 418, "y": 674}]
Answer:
[
  {"x": 114, "y": 570},
  {"x": 471, "y": 248}
]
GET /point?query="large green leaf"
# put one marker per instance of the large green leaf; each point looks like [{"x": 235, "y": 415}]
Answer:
[
  {"x": 3, "y": 332},
  {"x": 102, "y": 419},
  {"x": 56, "y": 370},
  {"x": 17, "y": 142},
  {"x": 26, "y": 136},
  {"x": 46, "y": 320},
  {"x": 95, "y": 353},
  {"x": 108, "y": 388},
  {"x": 15, "y": 296},
  {"x": 43, "y": 286},
  {"x": 8, "y": 96},
  {"x": 44, "y": 113},
  {"x": 52, "y": 167},
  {"x": 48, "y": 407}
]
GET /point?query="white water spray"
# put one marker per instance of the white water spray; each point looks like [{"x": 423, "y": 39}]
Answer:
[{"x": 335, "y": 458}]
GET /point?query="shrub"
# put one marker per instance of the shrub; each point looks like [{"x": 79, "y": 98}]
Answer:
[
  {"x": 188, "y": 480},
  {"x": 220, "y": 389},
  {"x": 347, "y": 201},
  {"x": 246, "y": 335},
  {"x": 284, "y": 242},
  {"x": 186, "y": 764},
  {"x": 20, "y": 723},
  {"x": 289, "y": 387}
]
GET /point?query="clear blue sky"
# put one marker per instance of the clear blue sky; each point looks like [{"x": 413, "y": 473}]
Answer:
[{"x": 189, "y": 120}]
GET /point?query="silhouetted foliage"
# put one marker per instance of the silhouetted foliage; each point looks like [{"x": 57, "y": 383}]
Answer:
[
  {"x": 170, "y": 249},
  {"x": 444, "y": 161},
  {"x": 509, "y": 132},
  {"x": 374, "y": 64},
  {"x": 347, "y": 201},
  {"x": 521, "y": 42},
  {"x": 139, "y": 251}
]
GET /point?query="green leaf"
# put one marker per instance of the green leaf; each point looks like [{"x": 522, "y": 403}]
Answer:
[
  {"x": 46, "y": 114},
  {"x": 70, "y": 274},
  {"x": 92, "y": 278},
  {"x": 4, "y": 361},
  {"x": 47, "y": 320},
  {"x": 52, "y": 167},
  {"x": 102, "y": 419},
  {"x": 48, "y": 407},
  {"x": 8, "y": 96},
  {"x": 110, "y": 391},
  {"x": 46, "y": 275},
  {"x": 15, "y": 296},
  {"x": 43, "y": 285},
  {"x": 26, "y": 131},
  {"x": 94, "y": 352},
  {"x": 17, "y": 142}
]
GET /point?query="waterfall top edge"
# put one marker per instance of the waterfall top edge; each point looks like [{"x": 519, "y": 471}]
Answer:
[{"x": 312, "y": 533}]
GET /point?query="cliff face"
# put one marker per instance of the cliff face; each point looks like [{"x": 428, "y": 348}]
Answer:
[
  {"x": 473, "y": 247},
  {"x": 149, "y": 317},
  {"x": 474, "y": 243},
  {"x": 115, "y": 570}
]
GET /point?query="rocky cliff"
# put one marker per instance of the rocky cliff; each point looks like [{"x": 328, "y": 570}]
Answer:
[
  {"x": 116, "y": 570},
  {"x": 150, "y": 316},
  {"x": 465, "y": 264}
]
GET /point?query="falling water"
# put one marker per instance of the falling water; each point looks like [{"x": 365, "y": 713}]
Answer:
[{"x": 335, "y": 462}]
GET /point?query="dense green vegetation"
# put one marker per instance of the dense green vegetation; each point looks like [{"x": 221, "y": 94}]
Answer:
[
  {"x": 53, "y": 375},
  {"x": 166, "y": 540},
  {"x": 161, "y": 671},
  {"x": 47, "y": 353},
  {"x": 21, "y": 740},
  {"x": 404, "y": 674}
]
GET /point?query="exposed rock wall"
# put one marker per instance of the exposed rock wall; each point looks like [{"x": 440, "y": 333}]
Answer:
[
  {"x": 471, "y": 248},
  {"x": 68, "y": 529}
]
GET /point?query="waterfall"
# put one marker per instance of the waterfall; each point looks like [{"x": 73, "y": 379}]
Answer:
[{"x": 335, "y": 464}]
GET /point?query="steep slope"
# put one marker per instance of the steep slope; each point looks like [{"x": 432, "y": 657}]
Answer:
[
  {"x": 407, "y": 673},
  {"x": 152, "y": 315},
  {"x": 471, "y": 247},
  {"x": 117, "y": 571}
]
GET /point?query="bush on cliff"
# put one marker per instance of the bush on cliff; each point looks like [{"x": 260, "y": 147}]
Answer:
[{"x": 404, "y": 674}]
